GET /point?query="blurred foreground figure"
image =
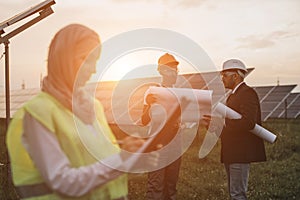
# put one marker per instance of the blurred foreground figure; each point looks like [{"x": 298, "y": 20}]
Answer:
[
  {"x": 49, "y": 160},
  {"x": 162, "y": 182},
  {"x": 240, "y": 147}
]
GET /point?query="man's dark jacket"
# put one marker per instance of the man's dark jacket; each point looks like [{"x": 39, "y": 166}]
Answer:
[
  {"x": 239, "y": 145},
  {"x": 168, "y": 132}
]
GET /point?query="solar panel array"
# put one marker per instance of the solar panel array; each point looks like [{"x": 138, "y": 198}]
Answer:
[
  {"x": 123, "y": 100},
  {"x": 17, "y": 99},
  {"x": 278, "y": 101}
]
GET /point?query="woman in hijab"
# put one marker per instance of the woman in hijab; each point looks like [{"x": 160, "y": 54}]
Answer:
[{"x": 57, "y": 139}]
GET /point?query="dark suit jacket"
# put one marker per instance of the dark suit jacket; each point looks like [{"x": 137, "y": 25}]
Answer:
[{"x": 239, "y": 145}]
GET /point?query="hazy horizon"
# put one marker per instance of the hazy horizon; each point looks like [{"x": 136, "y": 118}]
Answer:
[{"x": 263, "y": 34}]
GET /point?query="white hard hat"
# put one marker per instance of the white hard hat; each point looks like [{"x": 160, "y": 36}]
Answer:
[{"x": 234, "y": 64}]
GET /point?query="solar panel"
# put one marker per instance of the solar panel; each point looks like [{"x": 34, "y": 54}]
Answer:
[
  {"x": 17, "y": 100},
  {"x": 272, "y": 98},
  {"x": 290, "y": 108}
]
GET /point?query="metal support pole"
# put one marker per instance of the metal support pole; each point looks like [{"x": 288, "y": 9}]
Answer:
[
  {"x": 43, "y": 9},
  {"x": 285, "y": 109},
  {"x": 7, "y": 83},
  {"x": 9, "y": 184}
]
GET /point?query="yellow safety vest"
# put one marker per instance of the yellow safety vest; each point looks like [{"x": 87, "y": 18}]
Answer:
[{"x": 61, "y": 122}]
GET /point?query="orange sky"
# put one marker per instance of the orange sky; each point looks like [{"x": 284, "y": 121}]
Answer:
[{"x": 264, "y": 34}]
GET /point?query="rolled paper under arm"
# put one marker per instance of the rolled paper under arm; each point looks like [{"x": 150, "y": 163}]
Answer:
[{"x": 258, "y": 130}]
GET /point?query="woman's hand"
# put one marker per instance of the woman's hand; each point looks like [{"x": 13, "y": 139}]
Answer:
[{"x": 131, "y": 144}]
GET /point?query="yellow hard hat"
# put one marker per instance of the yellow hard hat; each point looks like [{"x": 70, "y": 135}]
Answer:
[{"x": 167, "y": 59}]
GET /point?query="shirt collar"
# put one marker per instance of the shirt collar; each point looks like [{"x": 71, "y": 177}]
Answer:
[
  {"x": 236, "y": 87},
  {"x": 161, "y": 85}
]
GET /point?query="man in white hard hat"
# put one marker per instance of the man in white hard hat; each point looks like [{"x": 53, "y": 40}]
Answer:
[
  {"x": 240, "y": 147},
  {"x": 162, "y": 182}
]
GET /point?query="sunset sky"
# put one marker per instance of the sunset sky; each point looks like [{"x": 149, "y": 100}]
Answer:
[{"x": 263, "y": 34}]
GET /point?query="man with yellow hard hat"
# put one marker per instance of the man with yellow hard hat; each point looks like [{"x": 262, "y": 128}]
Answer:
[{"x": 162, "y": 182}]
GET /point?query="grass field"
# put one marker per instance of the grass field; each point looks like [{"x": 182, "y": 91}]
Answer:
[{"x": 205, "y": 179}]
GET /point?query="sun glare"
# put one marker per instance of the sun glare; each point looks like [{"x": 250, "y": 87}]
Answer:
[{"x": 137, "y": 64}]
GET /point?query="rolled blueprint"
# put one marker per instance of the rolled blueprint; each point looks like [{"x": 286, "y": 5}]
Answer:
[
  {"x": 200, "y": 102},
  {"x": 258, "y": 130}
]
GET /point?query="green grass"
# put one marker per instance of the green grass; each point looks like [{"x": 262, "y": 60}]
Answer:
[
  {"x": 6, "y": 187},
  {"x": 276, "y": 179}
]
